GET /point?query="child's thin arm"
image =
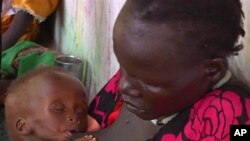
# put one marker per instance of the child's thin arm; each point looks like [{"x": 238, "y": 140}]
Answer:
[{"x": 20, "y": 23}]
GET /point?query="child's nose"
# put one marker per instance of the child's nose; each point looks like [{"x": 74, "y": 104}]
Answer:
[{"x": 73, "y": 118}]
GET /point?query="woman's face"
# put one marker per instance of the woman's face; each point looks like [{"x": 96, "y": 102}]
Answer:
[
  {"x": 161, "y": 71},
  {"x": 59, "y": 108}
]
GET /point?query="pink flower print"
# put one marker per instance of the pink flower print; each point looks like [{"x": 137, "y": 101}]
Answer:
[
  {"x": 172, "y": 137},
  {"x": 113, "y": 85},
  {"x": 211, "y": 117},
  {"x": 247, "y": 101}
]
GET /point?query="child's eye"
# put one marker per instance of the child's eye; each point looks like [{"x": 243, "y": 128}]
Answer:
[
  {"x": 58, "y": 108},
  {"x": 80, "y": 111}
]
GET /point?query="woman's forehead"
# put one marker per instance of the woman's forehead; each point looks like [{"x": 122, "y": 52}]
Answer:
[{"x": 152, "y": 39}]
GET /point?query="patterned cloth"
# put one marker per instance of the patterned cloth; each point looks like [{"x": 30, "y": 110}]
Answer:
[
  {"x": 25, "y": 56},
  {"x": 104, "y": 103},
  {"x": 40, "y": 9},
  {"x": 209, "y": 119}
]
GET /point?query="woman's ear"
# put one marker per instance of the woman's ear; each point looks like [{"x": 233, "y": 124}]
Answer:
[
  {"x": 216, "y": 69},
  {"x": 22, "y": 127}
]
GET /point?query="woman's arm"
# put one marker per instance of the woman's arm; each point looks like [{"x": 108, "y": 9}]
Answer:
[{"x": 18, "y": 26}]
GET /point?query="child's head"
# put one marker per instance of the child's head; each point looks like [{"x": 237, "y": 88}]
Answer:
[
  {"x": 171, "y": 52},
  {"x": 45, "y": 104}
]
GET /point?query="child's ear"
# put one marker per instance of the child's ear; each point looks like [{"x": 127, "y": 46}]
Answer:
[
  {"x": 216, "y": 69},
  {"x": 22, "y": 127}
]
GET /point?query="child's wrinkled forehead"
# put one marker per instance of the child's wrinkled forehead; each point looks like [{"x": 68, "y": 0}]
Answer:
[
  {"x": 26, "y": 90},
  {"x": 30, "y": 86},
  {"x": 43, "y": 82}
]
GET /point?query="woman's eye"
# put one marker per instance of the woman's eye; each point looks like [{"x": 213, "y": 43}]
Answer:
[{"x": 152, "y": 87}]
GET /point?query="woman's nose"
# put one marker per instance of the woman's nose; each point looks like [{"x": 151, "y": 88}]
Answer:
[{"x": 127, "y": 87}]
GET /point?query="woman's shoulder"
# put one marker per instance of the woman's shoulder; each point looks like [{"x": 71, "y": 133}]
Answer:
[
  {"x": 230, "y": 102},
  {"x": 211, "y": 116},
  {"x": 239, "y": 87}
]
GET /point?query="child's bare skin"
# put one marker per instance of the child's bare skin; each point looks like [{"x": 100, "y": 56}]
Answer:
[{"x": 47, "y": 104}]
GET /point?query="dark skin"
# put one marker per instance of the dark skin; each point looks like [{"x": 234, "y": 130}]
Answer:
[
  {"x": 163, "y": 71},
  {"x": 161, "y": 65},
  {"x": 18, "y": 26}
]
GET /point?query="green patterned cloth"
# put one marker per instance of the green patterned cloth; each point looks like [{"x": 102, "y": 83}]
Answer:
[{"x": 27, "y": 62}]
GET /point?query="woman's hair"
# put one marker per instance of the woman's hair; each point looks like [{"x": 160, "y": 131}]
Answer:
[{"x": 221, "y": 19}]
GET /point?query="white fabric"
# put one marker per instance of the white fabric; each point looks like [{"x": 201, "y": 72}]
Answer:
[
  {"x": 223, "y": 80},
  {"x": 163, "y": 120},
  {"x": 7, "y": 8}
]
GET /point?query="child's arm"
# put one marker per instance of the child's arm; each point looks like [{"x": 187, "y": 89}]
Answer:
[{"x": 18, "y": 26}]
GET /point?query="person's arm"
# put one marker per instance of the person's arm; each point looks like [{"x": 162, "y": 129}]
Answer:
[{"x": 18, "y": 26}]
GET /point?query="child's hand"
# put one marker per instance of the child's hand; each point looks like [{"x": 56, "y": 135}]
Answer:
[{"x": 86, "y": 138}]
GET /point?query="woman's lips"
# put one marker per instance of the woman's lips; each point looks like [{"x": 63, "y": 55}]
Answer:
[
  {"x": 130, "y": 106},
  {"x": 134, "y": 109}
]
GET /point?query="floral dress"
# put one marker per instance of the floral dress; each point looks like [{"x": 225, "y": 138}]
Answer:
[{"x": 208, "y": 119}]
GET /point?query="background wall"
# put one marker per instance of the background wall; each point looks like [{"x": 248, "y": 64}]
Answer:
[
  {"x": 246, "y": 51},
  {"x": 241, "y": 63},
  {"x": 84, "y": 29}
]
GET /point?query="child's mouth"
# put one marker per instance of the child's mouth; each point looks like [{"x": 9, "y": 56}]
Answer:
[{"x": 73, "y": 131}]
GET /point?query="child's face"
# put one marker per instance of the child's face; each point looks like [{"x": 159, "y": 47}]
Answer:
[
  {"x": 161, "y": 73},
  {"x": 59, "y": 107}
]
